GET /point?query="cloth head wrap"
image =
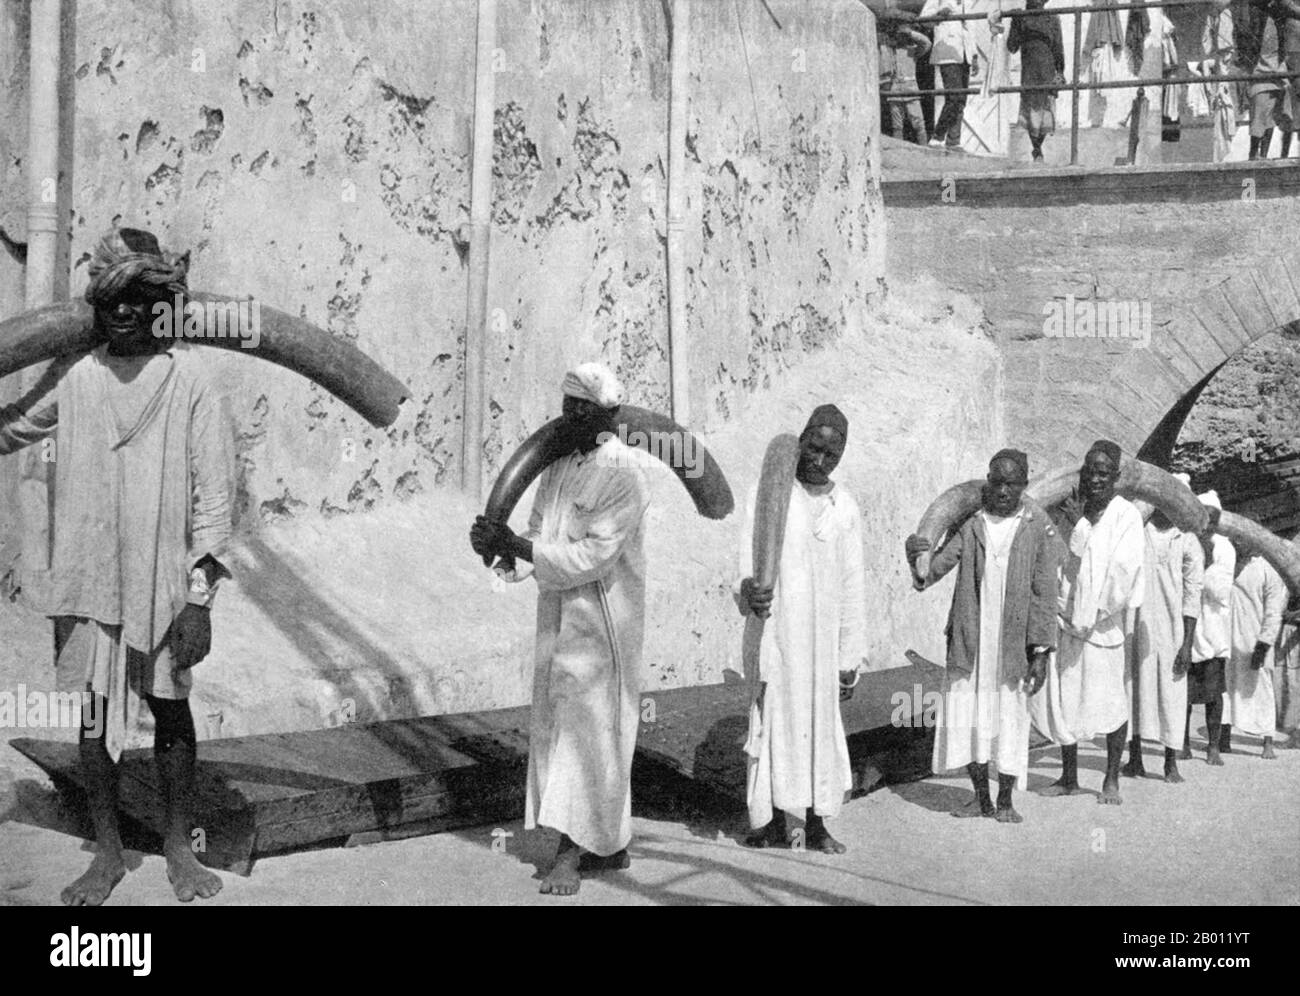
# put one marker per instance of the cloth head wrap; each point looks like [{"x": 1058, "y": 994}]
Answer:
[
  {"x": 127, "y": 256},
  {"x": 1015, "y": 456},
  {"x": 1106, "y": 446},
  {"x": 593, "y": 382},
  {"x": 830, "y": 416}
]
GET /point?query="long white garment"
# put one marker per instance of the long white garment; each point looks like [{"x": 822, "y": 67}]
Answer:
[
  {"x": 588, "y": 559},
  {"x": 1258, "y": 600},
  {"x": 1214, "y": 631},
  {"x": 981, "y": 717},
  {"x": 798, "y": 755},
  {"x": 1174, "y": 571},
  {"x": 1102, "y": 581}
]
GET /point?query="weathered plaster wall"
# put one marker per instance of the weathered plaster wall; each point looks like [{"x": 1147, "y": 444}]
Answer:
[{"x": 316, "y": 156}]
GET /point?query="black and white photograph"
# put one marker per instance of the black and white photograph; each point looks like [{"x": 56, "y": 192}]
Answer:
[{"x": 651, "y": 453}]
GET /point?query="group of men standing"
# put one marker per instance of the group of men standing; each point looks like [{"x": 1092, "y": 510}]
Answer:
[{"x": 1098, "y": 625}]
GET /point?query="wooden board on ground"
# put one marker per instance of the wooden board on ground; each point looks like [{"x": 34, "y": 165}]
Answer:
[{"x": 271, "y": 793}]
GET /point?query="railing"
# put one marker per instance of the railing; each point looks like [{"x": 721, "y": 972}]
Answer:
[{"x": 1075, "y": 86}]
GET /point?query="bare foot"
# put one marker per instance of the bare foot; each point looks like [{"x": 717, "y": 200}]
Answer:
[
  {"x": 563, "y": 878},
  {"x": 1008, "y": 814},
  {"x": 1134, "y": 769},
  {"x": 1185, "y": 754},
  {"x": 1268, "y": 754},
  {"x": 105, "y": 871},
  {"x": 612, "y": 862},
  {"x": 189, "y": 879},
  {"x": 822, "y": 840},
  {"x": 1110, "y": 793},
  {"x": 1212, "y": 757},
  {"x": 1059, "y": 787},
  {"x": 1171, "y": 774}
]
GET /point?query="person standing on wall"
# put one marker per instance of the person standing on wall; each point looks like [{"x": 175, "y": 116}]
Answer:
[{"x": 957, "y": 58}]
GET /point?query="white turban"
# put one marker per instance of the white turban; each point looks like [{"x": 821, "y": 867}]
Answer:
[
  {"x": 1211, "y": 499},
  {"x": 593, "y": 382}
]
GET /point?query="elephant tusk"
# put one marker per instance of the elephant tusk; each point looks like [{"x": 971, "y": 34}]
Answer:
[
  {"x": 294, "y": 343},
  {"x": 945, "y": 515},
  {"x": 656, "y": 434}
]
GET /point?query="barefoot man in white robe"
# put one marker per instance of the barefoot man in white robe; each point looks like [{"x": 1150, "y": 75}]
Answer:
[
  {"x": 1206, "y": 675},
  {"x": 1101, "y": 584},
  {"x": 1000, "y": 632},
  {"x": 812, "y": 650},
  {"x": 1250, "y": 704},
  {"x": 141, "y": 512},
  {"x": 1166, "y": 630},
  {"x": 584, "y": 545}
]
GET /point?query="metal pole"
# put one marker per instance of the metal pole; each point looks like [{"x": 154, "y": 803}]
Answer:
[
  {"x": 1074, "y": 97},
  {"x": 34, "y": 492},
  {"x": 678, "y": 347},
  {"x": 480, "y": 215}
]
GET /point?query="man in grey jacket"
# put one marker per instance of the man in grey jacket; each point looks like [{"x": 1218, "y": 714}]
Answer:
[{"x": 1001, "y": 628}]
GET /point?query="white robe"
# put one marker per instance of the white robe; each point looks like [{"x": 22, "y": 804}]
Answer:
[
  {"x": 1174, "y": 569},
  {"x": 981, "y": 717},
  {"x": 1258, "y": 599},
  {"x": 798, "y": 755},
  {"x": 1214, "y": 631},
  {"x": 1102, "y": 581},
  {"x": 588, "y": 559}
]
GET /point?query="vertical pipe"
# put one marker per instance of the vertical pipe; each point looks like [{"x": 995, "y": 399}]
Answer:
[
  {"x": 1074, "y": 94},
  {"x": 480, "y": 214},
  {"x": 34, "y": 498},
  {"x": 43, "y": 153},
  {"x": 678, "y": 350}
]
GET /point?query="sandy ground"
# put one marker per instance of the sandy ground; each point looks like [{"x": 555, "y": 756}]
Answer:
[{"x": 1238, "y": 826}]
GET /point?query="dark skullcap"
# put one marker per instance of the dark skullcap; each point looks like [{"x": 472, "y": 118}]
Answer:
[
  {"x": 1105, "y": 446},
  {"x": 828, "y": 415},
  {"x": 1015, "y": 456},
  {"x": 127, "y": 256}
]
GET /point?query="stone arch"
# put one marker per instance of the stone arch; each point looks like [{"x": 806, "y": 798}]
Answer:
[{"x": 1150, "y": 391}]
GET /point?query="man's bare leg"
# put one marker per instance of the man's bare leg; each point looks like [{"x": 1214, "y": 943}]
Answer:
[
  {"x": 1068, "y": 783},
  {"x": 772, "y": 835},
  {"x": 1135, "y": 768},
  {"x": 100, "y": 775},
  {"x": 174, "y": 748},
  {"x": 983, "y": 804},
  {"x": 1268, "y": 754},
  {"x": 818, "y": 838},
  {"x": 1006, "y": 811},
  {"x": 1213, "y": 718},
  {"x": 1225, "y": 738},
  {"x": 1114, "y": 755},
  {"x": 1171, "y": 766},
  {"x": 1186, "y": 754},
  {"x": 563, "y": 879}
]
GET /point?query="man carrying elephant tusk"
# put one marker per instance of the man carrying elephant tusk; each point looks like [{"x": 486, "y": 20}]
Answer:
[
  {"x": 1000, "y": 632},
  {"x": 141, "y": 510},
  {"x": 1101, "y": 584},
  {"x": 811, "y": 654},
  {"x": 584, "y": 545}
]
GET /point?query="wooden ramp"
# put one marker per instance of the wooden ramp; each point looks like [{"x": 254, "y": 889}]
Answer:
[{"x": 271, "y": 793}]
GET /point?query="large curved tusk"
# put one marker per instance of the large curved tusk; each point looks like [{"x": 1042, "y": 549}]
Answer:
[
  {"x": 945, "y": 514},
  {"x": 775, "y": 484},
  {"x": 1137, "y": 479},
  {"x": 1249, "y": 536},
  {"x": 298, "y": 345},
  {"x": 656, "y": 434}
]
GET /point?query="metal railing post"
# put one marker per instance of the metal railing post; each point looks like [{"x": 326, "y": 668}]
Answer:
[{"x": 1074, "y": 95}]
